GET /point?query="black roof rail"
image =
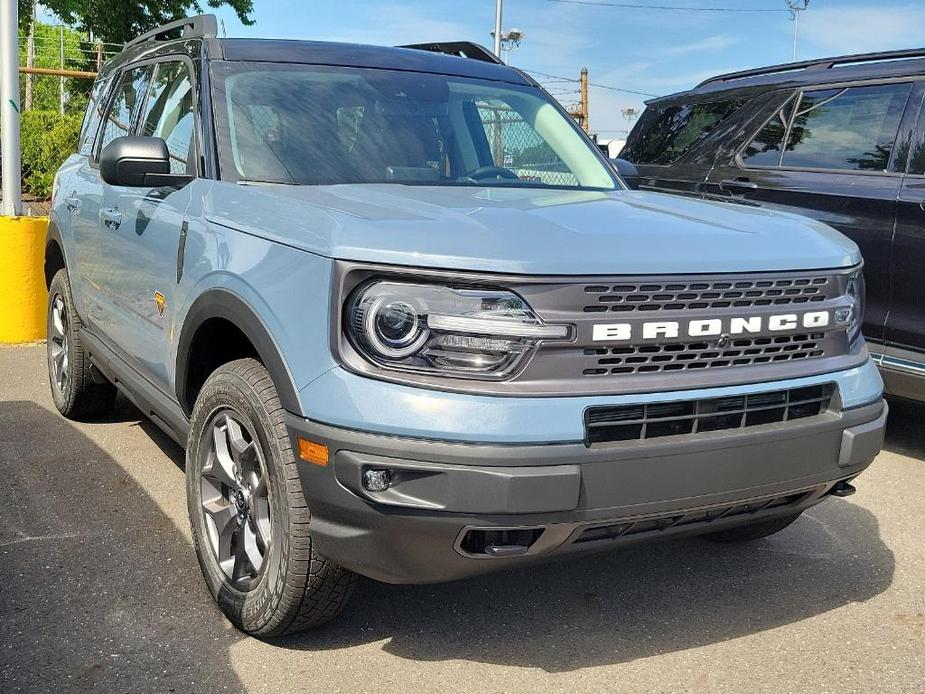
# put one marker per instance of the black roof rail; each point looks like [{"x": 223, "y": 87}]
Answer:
[
  {"x": 461, "y": 49},
  {"x": 199, "y": 25},
  {"x": 817, "y": 64}
]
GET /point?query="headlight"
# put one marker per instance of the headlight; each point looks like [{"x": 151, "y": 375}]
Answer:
[
  {"x": 855, "y": 294},
  {"x": 453, "y": 331}
]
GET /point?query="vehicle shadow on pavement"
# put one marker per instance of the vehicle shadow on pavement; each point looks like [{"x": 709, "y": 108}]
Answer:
[
  {"x": 905, "y": 431},
  {"x": 98, "y": 588}
]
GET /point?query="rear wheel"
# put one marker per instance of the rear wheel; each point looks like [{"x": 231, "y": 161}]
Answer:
[
  {"x": 75, "y": 392},
  {"x": 248, "y": 513},
  {"x": 752, "y": 531}
]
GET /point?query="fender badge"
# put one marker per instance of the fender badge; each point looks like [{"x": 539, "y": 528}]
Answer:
[{"x": 161, "y": 302}]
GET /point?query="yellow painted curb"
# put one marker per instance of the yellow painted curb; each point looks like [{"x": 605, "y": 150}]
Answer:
[{"x": 23, "y": 295}]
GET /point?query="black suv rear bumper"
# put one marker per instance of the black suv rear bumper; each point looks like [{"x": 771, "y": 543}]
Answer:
[{"x": 448, "y": 501}]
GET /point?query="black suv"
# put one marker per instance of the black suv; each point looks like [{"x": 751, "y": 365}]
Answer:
[{"x": 841, "y": 140}]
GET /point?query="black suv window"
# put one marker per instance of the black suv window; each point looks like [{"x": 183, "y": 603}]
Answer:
[
  {"x": 664, "y": 134},
  {"x": 169, "y": 112},
  {"x": 851, "y": 129},
  {"x": 130, "y": 92}
]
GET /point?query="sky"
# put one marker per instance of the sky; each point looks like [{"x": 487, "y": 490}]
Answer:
[{"x": 643, "y": 50}]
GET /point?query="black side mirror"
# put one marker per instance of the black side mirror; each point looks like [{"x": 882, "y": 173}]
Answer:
[
  {"x": 138, "y": 161},
  {"x": 628, "y": 172}
]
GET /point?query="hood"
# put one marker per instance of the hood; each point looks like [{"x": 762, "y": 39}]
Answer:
[{"x": 529, "y": 231}]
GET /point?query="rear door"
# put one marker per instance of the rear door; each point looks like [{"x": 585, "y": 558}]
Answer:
[
  {"x": 828, "y": 153},
  {"x": 905, "y": 331}
]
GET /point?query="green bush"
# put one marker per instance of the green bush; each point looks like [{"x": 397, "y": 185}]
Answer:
[{"x": 48, "y": 138}]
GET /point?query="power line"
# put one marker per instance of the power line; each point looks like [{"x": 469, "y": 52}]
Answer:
[
  {"x": 593, "y": 84},
  {"x": 637, "y": 6}
]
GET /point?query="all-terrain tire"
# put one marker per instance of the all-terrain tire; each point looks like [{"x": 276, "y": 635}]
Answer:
[
  {"x": 295, "y": 588},
  {"x": 75, "y": 392},
  {"x": 752, "y": 531}
]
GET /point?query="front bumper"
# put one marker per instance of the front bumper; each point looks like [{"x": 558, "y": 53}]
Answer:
[{"x": 566, "y": 497}]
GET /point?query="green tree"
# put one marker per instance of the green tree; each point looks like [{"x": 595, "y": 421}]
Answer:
[
  {"x": 119, "y": 21},
  {"x": 45, "y": 89}
]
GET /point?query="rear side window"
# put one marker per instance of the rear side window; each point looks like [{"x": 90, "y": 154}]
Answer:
[
  {"x": 663, "y": 135},
  {"x": 848, "y": 129},
  {"x": 130, "y": 93}
]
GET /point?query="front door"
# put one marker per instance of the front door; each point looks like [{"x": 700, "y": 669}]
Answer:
[{"x": 145, "y": 225}]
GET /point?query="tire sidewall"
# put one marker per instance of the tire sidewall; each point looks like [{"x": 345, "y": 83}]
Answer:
[{"x": 253, "y": 610}]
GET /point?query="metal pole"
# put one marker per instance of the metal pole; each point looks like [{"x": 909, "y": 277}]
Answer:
[
  {"x": 499, "y": 6},
  {"x": 30, "y": 59},
  {"x": 61, "y": 83},
  {"x": 796, "y": 33},
  {"x": 11, "y": 202}
]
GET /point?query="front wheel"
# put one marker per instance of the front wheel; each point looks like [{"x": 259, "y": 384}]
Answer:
[
  {"x": 249, "y": 517},
  {"x": 752, "y": 531}
]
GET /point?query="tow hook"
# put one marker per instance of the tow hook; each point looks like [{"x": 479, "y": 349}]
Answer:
[{"x": 843, "y": 489}]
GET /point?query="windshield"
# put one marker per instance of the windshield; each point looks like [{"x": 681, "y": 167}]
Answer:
[{"x": 311, "y": 125}]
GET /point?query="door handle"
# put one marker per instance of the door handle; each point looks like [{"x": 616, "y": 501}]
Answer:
[
  {"x": 740, "y": 186},
  {"x": 72, "y": 204},
  {"x": 111, "y": 218}
]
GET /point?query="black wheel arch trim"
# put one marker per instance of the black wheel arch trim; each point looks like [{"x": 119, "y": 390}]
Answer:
[
  {"x": 53, "y": 235},
  {"x": 225, "y": 304}
]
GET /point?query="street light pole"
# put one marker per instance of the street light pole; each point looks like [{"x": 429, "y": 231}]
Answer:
[
  {"x": 11, "y": 201},
  {"x": 796, "y": 6},
  {"x": 499, "y": 6}
]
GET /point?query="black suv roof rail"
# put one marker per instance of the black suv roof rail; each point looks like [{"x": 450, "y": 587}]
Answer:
[
  {"x": 817, "y": 64},
  {"x": 199, "y": 25},
  {"x": 461, "y": 49}
]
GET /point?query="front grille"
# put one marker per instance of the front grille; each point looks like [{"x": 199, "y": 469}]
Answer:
[
  {"x": 650, "y": 524},
  {"x": 679, "y": 356},
  {"x": 610, "y": 423},
  {"x": 696, "y": 295}
]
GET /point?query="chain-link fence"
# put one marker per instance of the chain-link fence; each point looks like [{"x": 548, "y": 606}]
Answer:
[{"x": 57, "y": 68}]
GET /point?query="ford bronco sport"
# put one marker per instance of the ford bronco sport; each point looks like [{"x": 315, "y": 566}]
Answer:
[{"x": 408, "y": 323}]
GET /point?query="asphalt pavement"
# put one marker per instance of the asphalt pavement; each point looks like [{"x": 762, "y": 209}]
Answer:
[{"x": 100, "y": 589}]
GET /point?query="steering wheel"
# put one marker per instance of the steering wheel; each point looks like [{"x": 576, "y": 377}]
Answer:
[{"x": 484, "y": 172}]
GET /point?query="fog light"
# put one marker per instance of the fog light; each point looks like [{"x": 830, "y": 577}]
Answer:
[
  {"x": 377, "y": 480},
  {"x": 843, "y": 316}
]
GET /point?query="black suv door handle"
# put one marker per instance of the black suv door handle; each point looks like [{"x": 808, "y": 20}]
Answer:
[
  {"x": 737, "y": 186},
  {"x": 111, "y": 217}
]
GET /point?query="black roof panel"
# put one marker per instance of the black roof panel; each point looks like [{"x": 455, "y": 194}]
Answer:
[{"x": 360, "y": 55}]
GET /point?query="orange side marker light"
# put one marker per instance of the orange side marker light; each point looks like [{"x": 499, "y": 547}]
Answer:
[{"x": 316, "y": 453}]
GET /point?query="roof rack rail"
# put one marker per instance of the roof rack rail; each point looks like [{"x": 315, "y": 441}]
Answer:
[
  {"x": 461, "y": 49},
  {"x": 818, "y": 64},
  {"x": 199, "y": 25}
]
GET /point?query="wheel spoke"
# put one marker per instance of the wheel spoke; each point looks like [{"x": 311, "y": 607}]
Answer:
[
  {"x": 250, "y": 547},
  {"x": 240, "y": 559},
  {"x": 237, "y": 444},
  {"x": 57, "y": 318},
  {"x": 223, "y": 515},
  {"x": 220, "y": 467}
]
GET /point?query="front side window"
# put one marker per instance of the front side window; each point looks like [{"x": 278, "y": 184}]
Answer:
[
  {"x": 93, "y": 116},
  {"x": 663, "y": 135},
  {"x": 848, "y": 129},
  {"x": 130, "y": 93},
  {"x": 169, "y": 113},
  {"x": 311, "y": 125}
]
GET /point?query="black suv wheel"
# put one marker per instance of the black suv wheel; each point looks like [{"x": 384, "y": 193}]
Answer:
[
  {"x": 249, "y": 517},
  {"x": 76, "y": 394}
]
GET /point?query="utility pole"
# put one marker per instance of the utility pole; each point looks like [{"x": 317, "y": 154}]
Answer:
[
  {"x": 499, "y": 7},
  {"x": 11, "y": 202},
  {"x": 30, "y": 58},
  {"x": 796, "y": 6},
  {"x": 585, "y": 115}
]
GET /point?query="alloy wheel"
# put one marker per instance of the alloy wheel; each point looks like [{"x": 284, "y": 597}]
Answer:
[
  {"x": 58, "y": 342},
  {"x": 235, "y": 499}
]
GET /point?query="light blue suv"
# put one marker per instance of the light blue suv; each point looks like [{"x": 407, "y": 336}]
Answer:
[{"x": 408, "y": 323}]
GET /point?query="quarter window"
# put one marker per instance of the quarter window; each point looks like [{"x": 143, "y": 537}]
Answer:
[
  {"x": 169, "y": 113},
  {"x": 93, "y": 116},
  {"x": 129, "y": 95}
]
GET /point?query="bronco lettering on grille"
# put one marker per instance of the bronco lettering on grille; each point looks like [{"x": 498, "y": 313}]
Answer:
[{"x": 711, "y": 327}]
